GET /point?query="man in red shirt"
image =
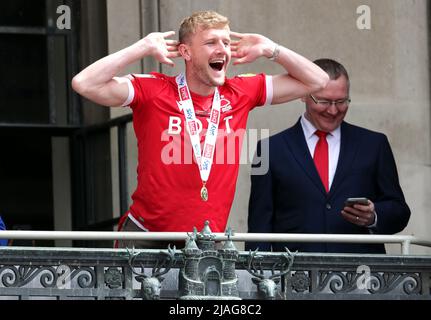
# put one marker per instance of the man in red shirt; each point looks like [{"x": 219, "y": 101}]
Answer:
[{"x": 187, "y": 126}]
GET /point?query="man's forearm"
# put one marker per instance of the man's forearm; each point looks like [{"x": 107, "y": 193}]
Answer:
[
  {"x": 96, "y": 81},
  {"x": 102, "y": 71},
  {"x": 300, "y": 68}
]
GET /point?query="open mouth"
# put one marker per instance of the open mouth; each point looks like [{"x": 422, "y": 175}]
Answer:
[{"x": 217, "y": 65}]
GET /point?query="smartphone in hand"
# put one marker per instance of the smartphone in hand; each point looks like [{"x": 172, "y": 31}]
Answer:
[{"x": 351, "y": 201}]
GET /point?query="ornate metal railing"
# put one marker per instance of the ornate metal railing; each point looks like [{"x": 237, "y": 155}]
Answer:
[
  {"x": 52, "y": 273},
  {"x": 204, "y": 269}
]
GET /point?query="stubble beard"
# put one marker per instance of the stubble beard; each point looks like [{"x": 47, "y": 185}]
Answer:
[{"x": 205, "y": 77}]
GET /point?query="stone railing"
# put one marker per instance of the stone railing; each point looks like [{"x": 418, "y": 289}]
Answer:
[
  {"x": 206, "y": 270},
  {"x": 76, "y": 273}
]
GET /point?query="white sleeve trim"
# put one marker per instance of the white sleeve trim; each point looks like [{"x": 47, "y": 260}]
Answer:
[
  {"x": 374, "y": 225},
  {"x": 131, "y": 217},
  {"x": 269, "y": 90},
  {"x": 131, "y": 94}
]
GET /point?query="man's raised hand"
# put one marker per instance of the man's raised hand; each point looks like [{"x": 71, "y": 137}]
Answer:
[
  {"x": 249, "y": 47},
  {"x": 161, "y": 48}
]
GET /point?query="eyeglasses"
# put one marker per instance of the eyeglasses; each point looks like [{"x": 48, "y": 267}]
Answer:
[{"x": 340, "y": 104}]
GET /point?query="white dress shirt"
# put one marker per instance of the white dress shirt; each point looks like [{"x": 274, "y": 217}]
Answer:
[{"x": 333, "y": 138}]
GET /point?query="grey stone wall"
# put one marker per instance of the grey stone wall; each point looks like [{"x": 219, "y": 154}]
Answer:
[{"x": 388, "y": 65}]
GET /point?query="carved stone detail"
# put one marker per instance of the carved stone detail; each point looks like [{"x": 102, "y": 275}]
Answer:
[
  {"x": 378, "y": 283},
  {"x": 300, "y": 282},
  {"x": 114, "y": 278}
]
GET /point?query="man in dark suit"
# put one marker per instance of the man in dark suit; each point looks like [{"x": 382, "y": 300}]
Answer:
[{"x": 315, "y": 166}]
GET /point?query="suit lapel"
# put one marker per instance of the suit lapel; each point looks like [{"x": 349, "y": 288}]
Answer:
[
  {"x": 296, "y": 141},
  {"x": 348, "y": 149}
]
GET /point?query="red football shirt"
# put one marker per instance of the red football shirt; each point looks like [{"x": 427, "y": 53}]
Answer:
[{"x": 167, "y": 197}]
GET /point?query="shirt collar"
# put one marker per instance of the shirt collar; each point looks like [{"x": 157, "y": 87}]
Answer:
[{"x": 309, "y": 129}]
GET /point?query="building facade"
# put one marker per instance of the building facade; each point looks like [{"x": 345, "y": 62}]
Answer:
[{"x": 71, "y": 165}]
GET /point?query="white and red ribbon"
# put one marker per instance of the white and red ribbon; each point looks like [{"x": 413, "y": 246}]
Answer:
[{"x": 205, "y": 159}]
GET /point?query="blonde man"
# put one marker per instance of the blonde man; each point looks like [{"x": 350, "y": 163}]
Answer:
[{"x": 182, "y": 122}]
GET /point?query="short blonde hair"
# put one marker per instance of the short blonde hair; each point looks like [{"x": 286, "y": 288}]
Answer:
[{"x": 201, "y": 19}]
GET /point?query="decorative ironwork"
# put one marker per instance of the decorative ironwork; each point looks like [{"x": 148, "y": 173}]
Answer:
[
  {"x": 300, "y": 281},
  {"x": 208, "y": 273},
  {"x": 204, "y": 270},
  {"x": 339, "y": 282},
  {"x": 49, "y": 277},
  {"x": 378, "y": 283},
  {"x": 114, "y": 278},
  {"x": 384, "y": 283},
  {"x": 151, "y": 285},
  {"x": 267, "y": 285},
  {"x": 22, "y": 275}
]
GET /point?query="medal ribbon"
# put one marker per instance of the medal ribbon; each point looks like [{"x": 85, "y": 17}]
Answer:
[{"x": 203, "y": 159}]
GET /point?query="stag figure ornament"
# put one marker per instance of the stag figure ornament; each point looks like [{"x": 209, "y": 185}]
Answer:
[
  {"x": 151, "y": 285},
  {"x": 267, "y": 285}
]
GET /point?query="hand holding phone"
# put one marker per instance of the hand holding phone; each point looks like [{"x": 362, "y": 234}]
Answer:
[{"x": 351, "y": 201}]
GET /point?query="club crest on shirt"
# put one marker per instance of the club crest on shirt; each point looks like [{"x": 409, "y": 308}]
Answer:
[{"x": 225, "y": 105}]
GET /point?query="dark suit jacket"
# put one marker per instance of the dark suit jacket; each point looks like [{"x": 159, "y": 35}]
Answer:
[{"x": 290, "y": 197}]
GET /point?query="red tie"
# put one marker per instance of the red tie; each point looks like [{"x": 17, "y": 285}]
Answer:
[{"x": 321, "y": 158}]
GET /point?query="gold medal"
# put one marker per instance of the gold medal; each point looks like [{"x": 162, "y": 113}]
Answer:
[
  {"x": 203, "y": 156},
  {"x": 204, "y": 193}
]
